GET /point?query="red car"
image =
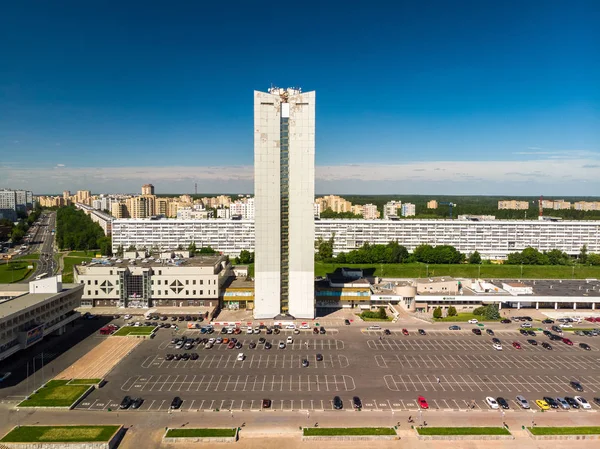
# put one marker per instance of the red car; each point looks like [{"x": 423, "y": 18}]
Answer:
[
  {"x": 422, "y": 402},
  {"x": 567, "y": 341},
  {"x": 231, "y": 345},
  {"x": 590, "y": 319},
  {"x": 597, "y": 319},
  {"x": 405, "y": 331},
  {"x": 517, "y": 345}
]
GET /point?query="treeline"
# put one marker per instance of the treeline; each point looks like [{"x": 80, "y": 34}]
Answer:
[
  {"x": 328, "y": 213},
  {"x": 76, "y": 231},
  {"x": 393, "y": 253},
  {"x": 16, "y": 232},
  {"x": 532, "y": 256}
]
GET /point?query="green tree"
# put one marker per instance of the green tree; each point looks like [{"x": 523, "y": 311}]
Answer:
[
  {"x": 452, "y": 311},
  {"x": 192, "y": 248},
  {"x": 437, "y": 312},
  {"x": 558, "y": 257},
  {"x": 593, "y": 259},
  {"x": 492, "y": 312},
  {"x": 479, "y": 311},
  {"x": 324, "y": 249},
  {"x": 105, "y": 245},
  {"x": 120, "y": 251},
  {"x": 475, "y": 258},
  {"x": 583, "y": 254},
  {"x": 246, "y": 257},
  {"x": 382, "y": 314}
]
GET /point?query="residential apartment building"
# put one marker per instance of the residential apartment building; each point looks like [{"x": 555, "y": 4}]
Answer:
[
  {"x": 103, "y": 219},
  {"x": 31, "y": 312},
  {"x": 493, "y": 239},
  {"x": 335, "y": 203},
  {"x": 357, "y": 209},
  {"x": 561, "y": 205},
  {"x": 317, "y": 210},
  {"x": 586, "y": 205},
  {"x": 513, "y": 205},
  {"x": 119, "y": 210},
  {"x": 284, "y": 186},
  {"x": 370, "y": 212},
  {"x": 390, "y": 209},
  {"x": 188, "y": 213},
  {"x": 242, "y": 208},
  {"x": 83, "y": 196},
  {"x": 147, "y": 189},
  {"x": 8, "y": 204},
  {"x": 408, "y": 210},
  {"x": 153, "y": 283},
  {"x": 141, "y": 206},
  {"x": 432, "y": 204}
]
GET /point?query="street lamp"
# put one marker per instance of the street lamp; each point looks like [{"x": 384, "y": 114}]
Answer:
[{"x": 421, "y": 417}]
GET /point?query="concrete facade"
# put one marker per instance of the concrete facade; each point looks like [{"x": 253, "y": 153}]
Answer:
[
  {"x": 284, "y": 171},
  {"x": 493, "y": 239}
]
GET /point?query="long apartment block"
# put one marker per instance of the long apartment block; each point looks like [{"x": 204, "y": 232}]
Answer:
[{"x": 493, "y": 239}]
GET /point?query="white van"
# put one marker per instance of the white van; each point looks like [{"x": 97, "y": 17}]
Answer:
[
  {"x": 375, "y": 327},
  {"x": 241, "y": 357}
]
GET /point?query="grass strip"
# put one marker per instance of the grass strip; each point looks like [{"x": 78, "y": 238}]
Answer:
[
  {"x": 131, "y": 330},
  {"x": 84, "y": 381},
  {"x": 200, "y": 433},
  {"x": 462, "y": 431},
  {"x": 464, "y": 317},
  {"x": 15, "y": 271},
  {"x": 347, "y": 431},
  {"x": 56, "y": 393},
  {"x": 59, "y": 434},
  {"x": 591, "y": 430}
]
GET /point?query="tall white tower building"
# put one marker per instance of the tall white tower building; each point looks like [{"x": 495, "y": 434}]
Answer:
[{"x": 284, "y": 188}]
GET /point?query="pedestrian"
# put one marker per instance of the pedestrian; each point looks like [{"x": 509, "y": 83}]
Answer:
[
  {"x": 410, "y": 419},
  {"x": 438, "y": 380}
]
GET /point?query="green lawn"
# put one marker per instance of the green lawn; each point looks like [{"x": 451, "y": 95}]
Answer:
[
  {"x": 389, "y": 318},
  {"x": 417, "y": 270},
  {"x": 15, "y": 271},
  {"x": 91, "y": 253},
  {"x": 84, "y": 381},
  {"x": 131, "y": 330},
  {"x": 67, "y": 274},
  {"x": 59, "y": 434},
  {"x": 464, "y": 317},
  {"x": 198, "y": 433},
  {"x": 463, "y": 431},
  {"x": 592, "y": 430},
  {"x": 34, "y": 256},
  {"x": 56, "y": 393},
  {"x": 336, "y": 431}
]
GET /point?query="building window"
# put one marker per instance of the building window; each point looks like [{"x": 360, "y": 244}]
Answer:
[
  {"x": 201, "y": 292},
  {"x": 194, "y": 293},
  {"x": 187, "y": 282},
  {"x": 201, "y": 282},
  {"x": 96, "y": 282},
  {"x": 194, "y": 282},
  {"x": 187, "y": 292},
  {"x": 158, "y": 282},
  {"x": 89, "y": 282},
  {"x": 89, "y": 293},
  {"x": 111, "y": 272},
  {"x": 96, "y": 293}
]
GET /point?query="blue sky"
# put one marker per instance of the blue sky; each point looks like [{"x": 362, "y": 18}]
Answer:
[{"x": 465, "y": 97}]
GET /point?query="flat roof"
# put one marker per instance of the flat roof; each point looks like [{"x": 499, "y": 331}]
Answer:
[
  {"x": 198, "y": 261},
  {"x": 27, "y": 300},
  {"x": 555, "y": 287}
]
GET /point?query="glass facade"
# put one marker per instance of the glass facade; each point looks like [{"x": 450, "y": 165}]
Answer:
[{"x": 284, "y": 207}]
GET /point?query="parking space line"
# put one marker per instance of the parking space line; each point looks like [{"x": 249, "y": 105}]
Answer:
[
  {"x": 209, "y": 382},
  {"x": 191, "y": 405}
]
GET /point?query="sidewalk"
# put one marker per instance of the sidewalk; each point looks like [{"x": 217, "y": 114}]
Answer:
[{"x": 274, "y": 429}]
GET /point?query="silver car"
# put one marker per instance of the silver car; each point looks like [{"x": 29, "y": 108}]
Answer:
[
  {"x": 523, "y": 402},
  {"x": 563, "y": 403}
]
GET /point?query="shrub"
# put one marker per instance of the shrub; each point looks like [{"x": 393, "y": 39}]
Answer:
[
  {"x": 452, "y": 311},
  {"x": 479, "y": 311},
  {"x": 437, "y": 312}
]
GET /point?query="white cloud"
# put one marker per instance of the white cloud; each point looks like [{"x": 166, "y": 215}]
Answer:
[{"x": 530, "y": 177}]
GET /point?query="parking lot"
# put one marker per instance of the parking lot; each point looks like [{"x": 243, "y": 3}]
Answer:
[{"x": 453, "y": 369}]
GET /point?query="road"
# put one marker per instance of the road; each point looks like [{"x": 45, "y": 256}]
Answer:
[{"x": 44, "y": 244}]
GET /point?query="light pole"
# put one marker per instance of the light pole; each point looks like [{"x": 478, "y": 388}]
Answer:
[
  {"x": 421, "y": 417},
  {"x": 521, "y": 271},
  {"x": 503, "y": 423}
]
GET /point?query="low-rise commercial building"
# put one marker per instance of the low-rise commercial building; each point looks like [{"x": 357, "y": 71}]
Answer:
[
  {"x": 30, "y": 312},
  {"x": 148, "y": 282}
]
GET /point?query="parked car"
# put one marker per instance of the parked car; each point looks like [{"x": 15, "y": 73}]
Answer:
[
  {"x": 422, "y": 402},
  {"x": 502, "y": 403},
  {"x": 476, "y": 331},
  {"x": 322, "y": 330},
  {"x": 356, "y": 402},
  {"x": 526, "y": 325},
  {"x": 387, "y": 332},
  {"x": 576, "y": 385},
  {"x": 176, "y": 403},
  {"x": 337, "y": 403},
  {"x": 585, "y": 346},
  {"x": 137, "y": 403},
  {"x": 550, "y": 401},
  {"x": 572, "y": 402},
  {"x": 524, "y": 403},
  {"x": 125, "y": 403},
  {"x": 491, "y": 402},
  {"x": 532, "y": 342},
  {"x": 422, "y": 332},
  {"x": 516, "y": 345},
  {"x": 473, "y": 321},
  {"x": 497, "y": 346},
  {"x": 490, "y": 332},
  {"x": 583, "y": 403},
  {"x": 454, "y": 328},
  {"x": 266, "y": 403},
  {"x": 546, "y": 346},
  {"x": 319, "y": 357},
  {"x": 347, "y": 322},
  {"x": 268, "y": 345},
  {"x": 543, "y": 405},
  {"x": 404, "y": 331},
  {"x": 506, "y": 321},
  {"x": 305, "y": 363},
  {"x": 567, "y": 341}
]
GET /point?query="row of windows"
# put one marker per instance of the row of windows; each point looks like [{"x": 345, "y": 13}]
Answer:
[{"x": 187, "y": 292}]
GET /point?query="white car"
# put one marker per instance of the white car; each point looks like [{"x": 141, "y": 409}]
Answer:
[
  {"x": 526, "y": 325},
  {"x": 211, "y": 340},
  {"x": 582, "y": 402},
  {"x": 257, "y": 330},
  {"x": 473, "y": 321},
  {"x": 137, "y": 324},
  {"x": 281, "y": 345},
  {"x": 492, "y": 403},
  {"x": 565, "y": 325},
  {"x": 497, "y": 346},
  {"x": 290, "y": 340},
  {"x": 127, "y": 317},
  {"x": 241, "y": 357},
  {"x": 523, "y": 402},
  {"x": 305, "y": 326},
  {"x": 249, "y": 330}
]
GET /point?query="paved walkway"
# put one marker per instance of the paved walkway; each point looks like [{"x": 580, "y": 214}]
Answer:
[
  {"x": 275, "y": 429},
  {"x": 97, "y": 363}
]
